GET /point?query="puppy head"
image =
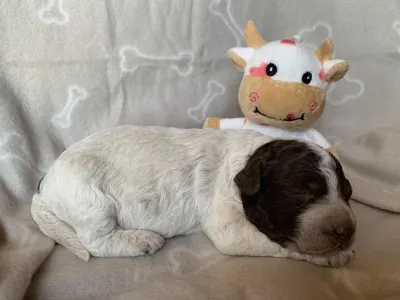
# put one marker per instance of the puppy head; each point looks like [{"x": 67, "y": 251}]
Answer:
[{"x": 297, "y": 192}]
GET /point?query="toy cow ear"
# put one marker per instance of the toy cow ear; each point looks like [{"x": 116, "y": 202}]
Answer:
[
  {"x": 335, "y": 69},
  {"x": 240, "y": 56},
  {"x": 325, "y": 51}
]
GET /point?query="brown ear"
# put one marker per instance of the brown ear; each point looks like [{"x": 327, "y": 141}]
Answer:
[
  {"x": 253, "y": 38},
  {"x": 337, "y": 71},
  {"x": 325, "y": 51},
  {"x": 248, "y": 179},
  {"x": 239, "y": 62}
]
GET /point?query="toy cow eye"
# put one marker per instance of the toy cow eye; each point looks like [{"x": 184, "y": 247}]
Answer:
[
  {"x": 307, "y": 77},
  {"x": 271, "y": 69}
]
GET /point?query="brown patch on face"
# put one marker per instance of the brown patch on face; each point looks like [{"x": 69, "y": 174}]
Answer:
[
  {"x": 287, "y": 105},
  {"x": 286, "y": 195},
  {"x": 277, "y": 184}
]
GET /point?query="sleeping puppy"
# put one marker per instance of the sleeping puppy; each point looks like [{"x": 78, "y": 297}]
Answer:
[{"x": 121, "y": 192}]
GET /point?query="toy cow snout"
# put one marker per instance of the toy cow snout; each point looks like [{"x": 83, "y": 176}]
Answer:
[{"x": 280, "y": 102}]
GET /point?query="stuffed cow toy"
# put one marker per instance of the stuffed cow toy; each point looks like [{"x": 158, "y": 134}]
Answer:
[{"x": 282, "y": 93}]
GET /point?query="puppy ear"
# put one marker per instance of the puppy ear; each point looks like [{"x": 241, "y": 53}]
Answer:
[
  {"x": 347, "y": 189},
  {"x": 248, "y": 179}
]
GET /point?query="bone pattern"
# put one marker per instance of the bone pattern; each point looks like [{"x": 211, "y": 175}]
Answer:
[
  {"x": 76, "y": 94},
  {"x": 132, "y": 59},
  {"x": 198, "y": 112},
  {"x": 223, "y": 9},
  {"x": 13, "y": 140},
  {"x": 347, "y": 97},
  {"x": 396, "y": 27},
  {"x": 53, "y": 12},
  {"x": 319, "y": 26},
  {"x": 97, "y": 43}
]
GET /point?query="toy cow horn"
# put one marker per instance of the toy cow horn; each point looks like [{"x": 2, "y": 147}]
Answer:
[
  {"x": 325, "y": 51},
  {"x": 253, "y": 38}
]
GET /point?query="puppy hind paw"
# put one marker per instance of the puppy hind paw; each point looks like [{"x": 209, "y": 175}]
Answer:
[
  {"x": 341, "y": 259},
  {"x": 149, "y": 242}
]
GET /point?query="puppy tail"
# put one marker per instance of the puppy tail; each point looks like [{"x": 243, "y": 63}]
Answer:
[{"x": 56, "y": 229}]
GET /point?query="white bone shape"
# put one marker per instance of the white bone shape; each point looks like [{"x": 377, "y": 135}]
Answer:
[
  {"x": 223, "y": 9},
  {"x": 347, "y": 97},
  {"x": 396, "y": 27},
  {"x": 198, "y": 112},
  {"x": 132, "y": 58},
  {"x": 316, "y": 27},
  {"x": 75, "y": 95},
  {"x": 13, "y": 147},
  {"x": 53, "y": 13},
  {"x": 97, "y": 42}
]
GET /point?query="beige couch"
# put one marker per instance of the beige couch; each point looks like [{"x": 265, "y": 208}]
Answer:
[{"x": 71, "y": 68}]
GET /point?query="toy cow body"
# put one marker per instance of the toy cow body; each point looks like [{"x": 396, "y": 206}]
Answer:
[
  {"x": 310, "y": 134},
  {"x": 282, "y": 92}
]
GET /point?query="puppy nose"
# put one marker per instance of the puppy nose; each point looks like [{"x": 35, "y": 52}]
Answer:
[{"x": 343, "y": 232}]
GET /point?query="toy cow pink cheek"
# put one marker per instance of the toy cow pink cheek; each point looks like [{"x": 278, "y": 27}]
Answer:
[{"x": 282, "y": 92}]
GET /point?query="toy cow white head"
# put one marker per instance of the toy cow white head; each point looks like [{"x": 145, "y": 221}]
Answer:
[{"x": 284, "y": 81}]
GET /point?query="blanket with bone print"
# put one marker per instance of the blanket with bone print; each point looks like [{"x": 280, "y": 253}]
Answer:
[{"x": 72, "y": 68}]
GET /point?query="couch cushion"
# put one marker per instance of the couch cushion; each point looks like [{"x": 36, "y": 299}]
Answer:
[{"x": 191, "y": 268}]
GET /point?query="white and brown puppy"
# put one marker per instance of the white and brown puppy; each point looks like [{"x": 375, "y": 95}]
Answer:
[{"x": 121, "y": 192}]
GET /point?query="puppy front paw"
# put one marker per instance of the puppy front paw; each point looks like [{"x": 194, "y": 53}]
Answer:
[
  {"x": 336, "y": 261},
  {"x": 149, "y": 242}
]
